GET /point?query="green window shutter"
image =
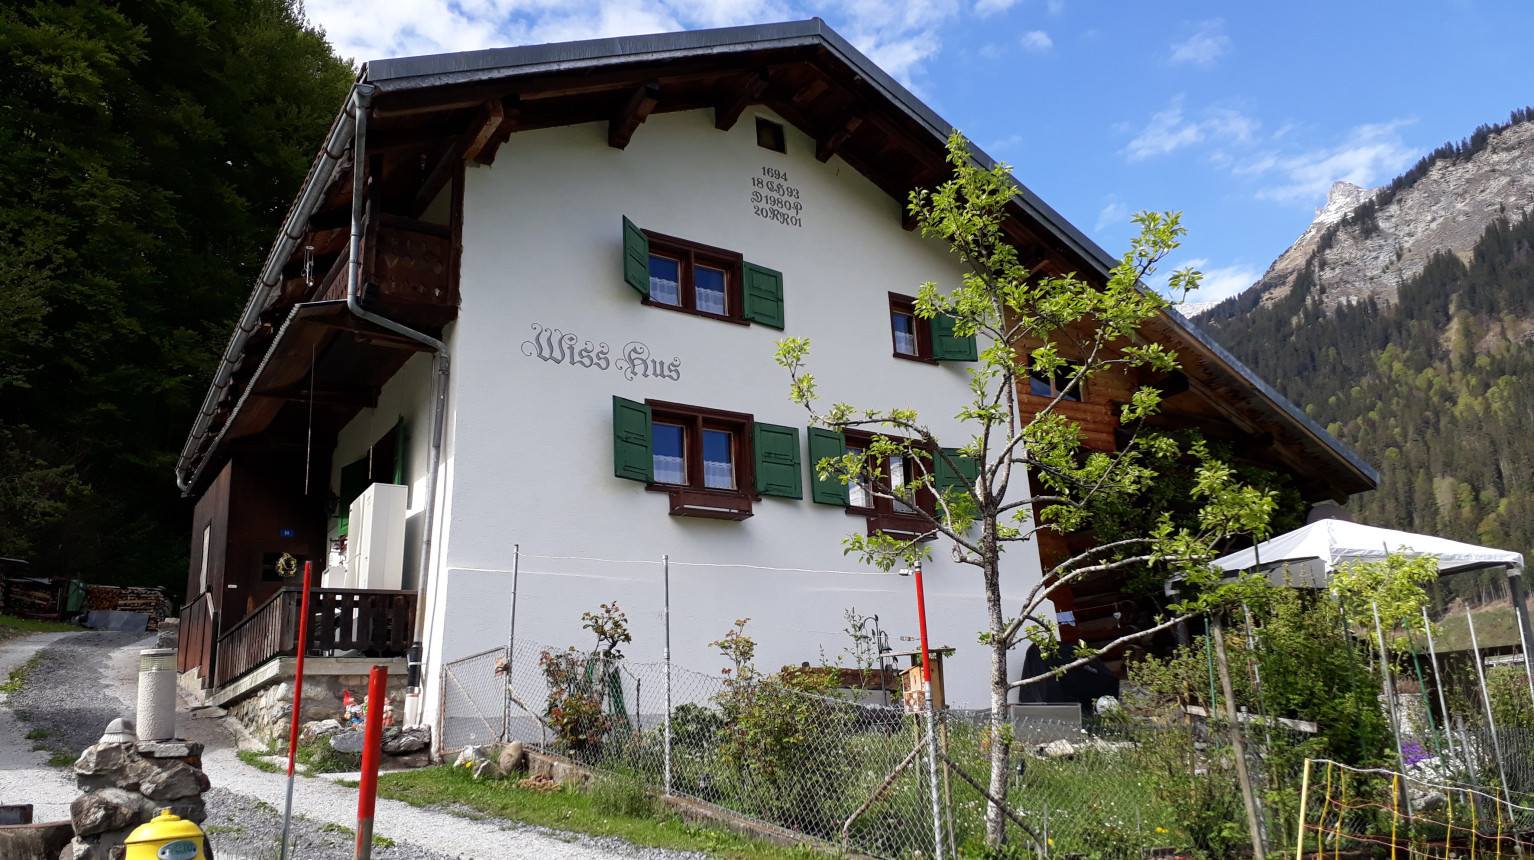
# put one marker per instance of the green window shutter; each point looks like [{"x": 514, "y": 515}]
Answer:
[
  {"x": 826, "y": 443},
  {"x": 945, "y": 478},
  {"x": 947, "y": 346},
  {"x": 401, "y": 439},
  {"x": 636, "y": 258},
  {"x": 631, "y": 441},
  {"x": 764, "y": 295},
  {"x": 777, "y": 460},
  {"x": 354, "y": 480}
]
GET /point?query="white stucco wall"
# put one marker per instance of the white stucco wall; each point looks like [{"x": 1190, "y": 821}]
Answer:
[
  {"x": 406, "y": 395},
  {"x": 530, "y": 442}
]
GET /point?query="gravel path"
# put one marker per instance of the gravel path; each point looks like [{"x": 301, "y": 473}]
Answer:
[
  {"x": 25, "y": 776},
  {"x": 84, "y": 680}
]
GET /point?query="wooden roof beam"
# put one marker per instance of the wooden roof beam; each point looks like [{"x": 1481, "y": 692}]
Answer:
[
  {"x": 621, "y": 128},
  {"x": 511, "y": 113},
  {"x": 327, "y": 395},
  {"x": 477, "y": 136},
  {"x": 477, "y": 142},
  {"x": 746, "y": 92},
  {"x": 827, "y": 146},
  {"x": 922, "y": 180}
]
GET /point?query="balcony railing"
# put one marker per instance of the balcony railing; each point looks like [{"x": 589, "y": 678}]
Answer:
[
  {"x": 342, "y": 622},
  {"x": 407, "y": 271}
]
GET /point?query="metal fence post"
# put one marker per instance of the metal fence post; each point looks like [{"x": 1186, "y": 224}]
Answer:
[
  {"x": 1443, "y": 703},
  {"x": 665, "y": 563},
  {"x": 511, "y": 642},
  {"x": 1491, "y": 722},
  {"x": 1390, "y": 698}
]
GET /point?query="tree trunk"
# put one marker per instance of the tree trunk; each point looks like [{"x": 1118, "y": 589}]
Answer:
[{"x": 995, "y": 820}]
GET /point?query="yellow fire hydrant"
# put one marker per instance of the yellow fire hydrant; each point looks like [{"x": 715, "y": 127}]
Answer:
[{"x": 166, "y": 837}]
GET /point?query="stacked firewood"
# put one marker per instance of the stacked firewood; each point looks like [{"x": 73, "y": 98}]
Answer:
[
  {"x": 27, "y": 598},
  {"x": 150, "y": 601},
  {"x": 102, "y": 597}
]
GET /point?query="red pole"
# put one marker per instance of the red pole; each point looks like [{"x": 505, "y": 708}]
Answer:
[
  {"x": 372, "y": 745},
  {"x": 921, "y": 617},
  {"x": 298, "y": 698}
]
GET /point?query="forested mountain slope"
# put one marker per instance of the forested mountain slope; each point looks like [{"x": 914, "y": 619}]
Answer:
[
  {"x": 1436, "y": 388},
  {"x": 148, "y": 151}
]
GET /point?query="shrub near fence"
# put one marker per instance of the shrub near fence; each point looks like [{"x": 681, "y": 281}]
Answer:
[{"x": 856, "y": 775}]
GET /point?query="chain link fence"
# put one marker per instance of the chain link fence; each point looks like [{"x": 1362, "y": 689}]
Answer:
[{"x": 857, "y": 775}]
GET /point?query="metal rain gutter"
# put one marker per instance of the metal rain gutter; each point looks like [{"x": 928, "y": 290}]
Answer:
[
  {"x": 320, "y": 175},
  {"x": 362, "y": 98}
]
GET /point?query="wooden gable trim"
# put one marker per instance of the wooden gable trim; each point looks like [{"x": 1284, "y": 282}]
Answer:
[
  {"x": 746, "y": 92},
  {"x": 621, "y": 128}
]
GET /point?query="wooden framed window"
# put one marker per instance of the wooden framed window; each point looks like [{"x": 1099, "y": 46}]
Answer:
[
  {"x": 890, "y": 516},
  {"x": 909, "y": 336},
  {"x": 1047, "y": 384},
  {"x": 681, "y": 275},
  {"x": 928, "y": 341},
  {"x": 711, "y": 463}
]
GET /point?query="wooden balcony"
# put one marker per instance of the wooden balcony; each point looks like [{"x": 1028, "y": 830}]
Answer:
[
  {"x": 342, "y": 622},
  {"x": 407, "y": 272}
]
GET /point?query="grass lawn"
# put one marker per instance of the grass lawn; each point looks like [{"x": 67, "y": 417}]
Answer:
[
  {"x": 606, "y": 811},
  {"x": 11, "y": 627},
  {"x": 1495, "y": 625}
]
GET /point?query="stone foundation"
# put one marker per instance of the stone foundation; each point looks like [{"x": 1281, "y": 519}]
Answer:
[
  {"x": 267, "y": 713},
  {"x": 262, "y": 700}
]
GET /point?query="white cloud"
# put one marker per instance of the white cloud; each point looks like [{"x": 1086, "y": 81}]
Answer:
[
  {"x": 1170, "y": 130},
  {"x": 1218, "y": 282},
  {"x": 1202, "y": 48},
  {"x": 986, "y": 8},
  {"x": 1037, "y": 41},
  {"x": 900, "y": 36},
  {"x": 1222, "y": 282},
  {"x": 1370, "y": 154},
  {"x": 1115, "y": 214}
]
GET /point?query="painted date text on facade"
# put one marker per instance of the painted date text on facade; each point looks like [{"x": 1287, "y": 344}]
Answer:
[
  {"x": 773, "y": 199},
  {"x": 633, "y": 361}
]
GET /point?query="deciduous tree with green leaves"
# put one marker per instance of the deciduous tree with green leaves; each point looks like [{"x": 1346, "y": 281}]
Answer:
[{"x": 1021, "y": 474}]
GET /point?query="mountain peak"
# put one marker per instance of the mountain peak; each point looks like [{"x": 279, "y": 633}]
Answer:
[
  {"x": 1364, "y": 242},
  {"x": 1342, "y": 199}
]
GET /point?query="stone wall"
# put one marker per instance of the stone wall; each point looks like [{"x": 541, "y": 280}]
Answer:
[
  {"x": 125, "y": 783},
  {"x": 267, "y": 712}
]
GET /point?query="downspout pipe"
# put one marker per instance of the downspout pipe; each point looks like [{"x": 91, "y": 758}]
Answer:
[
  {"x": 320, "y": 176},
  {"x": 363, "y": 97}
]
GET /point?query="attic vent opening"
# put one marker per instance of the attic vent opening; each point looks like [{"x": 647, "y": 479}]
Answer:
[{"x": 769, "y": 135}]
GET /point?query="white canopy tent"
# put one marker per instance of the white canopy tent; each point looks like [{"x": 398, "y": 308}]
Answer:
[{"x": 1308, "y": 555}]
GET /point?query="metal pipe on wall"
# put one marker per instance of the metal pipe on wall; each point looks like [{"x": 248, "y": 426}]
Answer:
[{"x": 363, "y": 96}]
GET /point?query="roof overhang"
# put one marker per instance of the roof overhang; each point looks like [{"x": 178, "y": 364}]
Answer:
[{"x": 808, "y": 74}]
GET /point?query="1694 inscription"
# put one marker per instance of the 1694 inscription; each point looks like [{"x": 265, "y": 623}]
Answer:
[
  {"x": 773, "y": 199},
  {"x": 633, "y": 361}
]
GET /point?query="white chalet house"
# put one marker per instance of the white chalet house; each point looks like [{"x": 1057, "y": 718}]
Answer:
[{"x": 529, "y": 298}]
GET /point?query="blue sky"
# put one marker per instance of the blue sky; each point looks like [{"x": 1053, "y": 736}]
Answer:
[{"x": 1239, "y": 115}]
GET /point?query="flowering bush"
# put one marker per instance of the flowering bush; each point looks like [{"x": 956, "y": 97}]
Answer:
[{"x": 579, "y": 682}]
